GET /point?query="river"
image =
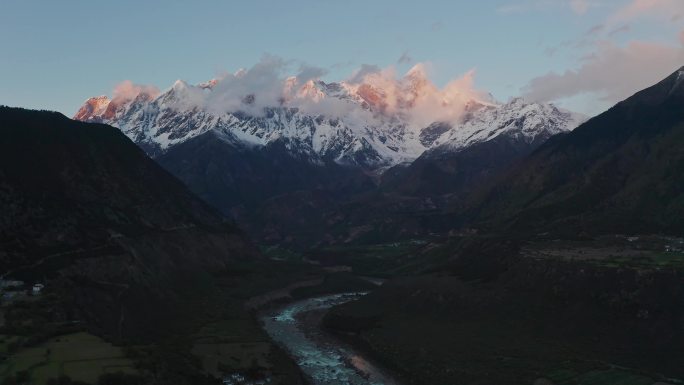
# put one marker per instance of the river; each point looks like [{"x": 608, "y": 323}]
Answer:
[{"x": 324, "y": 359}]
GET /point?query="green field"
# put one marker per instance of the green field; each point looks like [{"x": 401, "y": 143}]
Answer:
[
  {"x": 238, "y": 346},
  {"x": 6, "y": 341},
  {"x": 382, "y": 259},
  {"x": 616, "y": 252},
  {"x": 80, "y": 356},
  {"x": 598, "y": 377},
  {"x": 651, "y": 260},
  {"x": 278, "y": 253}
]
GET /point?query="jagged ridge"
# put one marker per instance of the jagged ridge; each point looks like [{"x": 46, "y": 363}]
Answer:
[{"x": 349, "y": 124}]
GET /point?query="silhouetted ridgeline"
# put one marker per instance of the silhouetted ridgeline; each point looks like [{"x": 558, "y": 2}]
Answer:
[{"x": 89, "y": 213}]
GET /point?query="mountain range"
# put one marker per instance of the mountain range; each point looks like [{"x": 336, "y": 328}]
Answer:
[
  {"x": 359, "y": 130},
  {"x": 503, "y": 222},
  {"x": 324, "y": 144}
]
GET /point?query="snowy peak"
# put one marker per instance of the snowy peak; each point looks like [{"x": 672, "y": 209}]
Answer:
[
  {"x": 179, "y": 86},
  {"x": 374, "y": 123},
  {"x": 93, "y": 107},
  {"x": 209, "y": 84},
  {"x": 415, "y": 85},
  {"x": 529, "y": 122}
]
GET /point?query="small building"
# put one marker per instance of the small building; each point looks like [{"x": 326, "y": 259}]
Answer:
[{"x": 37, "y": 288}]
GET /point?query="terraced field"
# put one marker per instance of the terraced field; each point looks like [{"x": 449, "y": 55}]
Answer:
[{"x": 80, "y": 356}]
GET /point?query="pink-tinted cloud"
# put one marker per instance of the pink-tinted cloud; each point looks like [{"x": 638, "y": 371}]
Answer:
[
  {"x": 612, "y": 72},
  {"x": 641, "y": 8},
  {"x": 415, "y": 95},
  {"x": 269, "y": 84},
  {"x": 579, "y": 6},
  {"x": 127, "y": 90}
]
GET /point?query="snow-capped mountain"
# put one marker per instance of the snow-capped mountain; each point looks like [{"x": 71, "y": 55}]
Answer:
[
  {"x": 272, "y": 152},
  {"x": 530, "y": 123},
  {"x": 372, "y": 123}
]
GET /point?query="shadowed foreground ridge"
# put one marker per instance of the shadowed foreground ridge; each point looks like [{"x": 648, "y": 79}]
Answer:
[{"x": 89, "y": 213}]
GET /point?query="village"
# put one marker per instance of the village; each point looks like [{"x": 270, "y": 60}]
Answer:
[{"x": 14, "y": 290}]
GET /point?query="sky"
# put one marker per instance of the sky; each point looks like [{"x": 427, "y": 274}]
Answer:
[{"x": 583, "y": 55}]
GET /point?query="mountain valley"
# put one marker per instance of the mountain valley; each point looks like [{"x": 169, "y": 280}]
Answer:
[{"x": 367, "y": 231}]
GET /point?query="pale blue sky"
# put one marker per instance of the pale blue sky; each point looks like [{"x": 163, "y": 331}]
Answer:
[{"x": 55, "y": 54}]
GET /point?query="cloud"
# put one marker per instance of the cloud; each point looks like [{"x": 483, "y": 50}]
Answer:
[
  {"x": 621, "y": 29},
  {"x": 414, "y": 95},
  {"x": 127, "y": 90},
  {"x": 612, "y": 72},
  {"x": 362, "y": 71},
  {"x": 405, "y": 58},
  {"x": 307, "y": 72},
  {"x": 511, "y": 8},
  {"x": 643, "y": 8},
  {"x": 251, "y": 89},
  {"x": 369, "y": 93},
  {"x": 596, "y": 29},
  {"x": 579, "y": 7},
  {"x": 550, "y": 51},
  {"x": 437, "y": 26}
]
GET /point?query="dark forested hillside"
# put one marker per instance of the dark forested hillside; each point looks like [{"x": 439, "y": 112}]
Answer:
[
  {"x": 622, "y": 171},
  {"x": 84, "y": 209}
]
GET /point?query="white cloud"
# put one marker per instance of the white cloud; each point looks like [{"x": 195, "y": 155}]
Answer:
[
  {"x": 253, "y": 89},
  {"x": 362, "y": 71},
  {"x": 578, "y": 7},
  {"x": 268, "y": 84},
  {"x": 611, "y": 72}
]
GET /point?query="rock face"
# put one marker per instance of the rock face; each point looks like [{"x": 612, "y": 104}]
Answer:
[{"x": 89, "y": 212}]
